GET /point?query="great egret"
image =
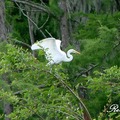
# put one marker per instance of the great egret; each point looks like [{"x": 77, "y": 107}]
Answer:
[{"x": 54, "y": 54}]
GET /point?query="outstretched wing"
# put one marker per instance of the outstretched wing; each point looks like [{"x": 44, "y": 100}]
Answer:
[
  {"x": 43, "y": 44},
  {"x": 51, "y": 46}
]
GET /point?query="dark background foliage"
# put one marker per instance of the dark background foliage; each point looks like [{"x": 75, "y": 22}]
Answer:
[{"x": 82, "y": 89}]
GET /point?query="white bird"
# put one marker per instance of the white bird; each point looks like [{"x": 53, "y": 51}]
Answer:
[{"x": 54, "y": 54}]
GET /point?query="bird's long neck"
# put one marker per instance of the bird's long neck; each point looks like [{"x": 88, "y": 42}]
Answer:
[{"x": 69, "y": 57}]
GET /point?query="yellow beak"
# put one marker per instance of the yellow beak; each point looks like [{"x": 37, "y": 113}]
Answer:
[{"x": 77, "y": 52}]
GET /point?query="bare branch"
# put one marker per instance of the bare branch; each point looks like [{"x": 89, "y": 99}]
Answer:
[
  {"x": 20, "y": 42},
  {"x": 85, "y": 71},
  {"x": 42, "y": 7},
  {"x": 71, "y": 91},
  {"x": 48, "y": 33},
  {"x": 35, "y": 5},
  {"x": 45, "y": 22},
  {"x": 39, "y": 28}
]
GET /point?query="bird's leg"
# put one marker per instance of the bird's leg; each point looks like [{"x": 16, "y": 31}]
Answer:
[{"x": 49, "y": 66}]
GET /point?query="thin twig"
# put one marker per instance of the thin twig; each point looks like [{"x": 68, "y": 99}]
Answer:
[
  {"x": 44, "y": 22},
  {"x": 22, "y": 91},
  {"x": 41, "y": 7},
  {"x": 86, "y": 71},
  {"x": 71, "y": 91},
  {"x": 30, "y": 20},
  {"x": 25, "y": 44},
  {"x": 35, "y": 5},
  {"x": 48, "y": 33}
]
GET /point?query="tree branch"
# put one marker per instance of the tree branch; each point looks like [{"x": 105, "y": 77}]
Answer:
[
  {"x": 20, "y": 42},
  {"x": 85, "y": 72},
  {"x": 35, "y": 5},
  {"x": 39, "y": 28},
  {"x": 40, "y": 87},
  {"x": 71, "y": 91}
]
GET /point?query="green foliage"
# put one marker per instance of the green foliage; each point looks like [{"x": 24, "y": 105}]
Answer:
[
  {"x": 97, "y": 51},
  {"x": 17, "y": 24},
  {"x": 99, "y": 40},
  {"x": 105, "y": 86},
  {"x": 53, "y": 4},
  {"x": 34, "y": 91},
  {"x": 102, "y": 45},
  {"x": 90, "y": 30}
]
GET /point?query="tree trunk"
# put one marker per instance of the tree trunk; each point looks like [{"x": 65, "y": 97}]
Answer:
[
  {"x": 7, "y": 110},
  {"x": 2, "y": 21},
  {"x": 118, "y": 4},
  {"x": 63, "y": 24},
  {"x": 31, "y": 28},
  {"x": 7, "y": 107}
]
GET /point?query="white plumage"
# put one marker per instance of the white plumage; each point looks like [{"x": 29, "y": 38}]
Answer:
[{"x": 54, "y": 54}]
